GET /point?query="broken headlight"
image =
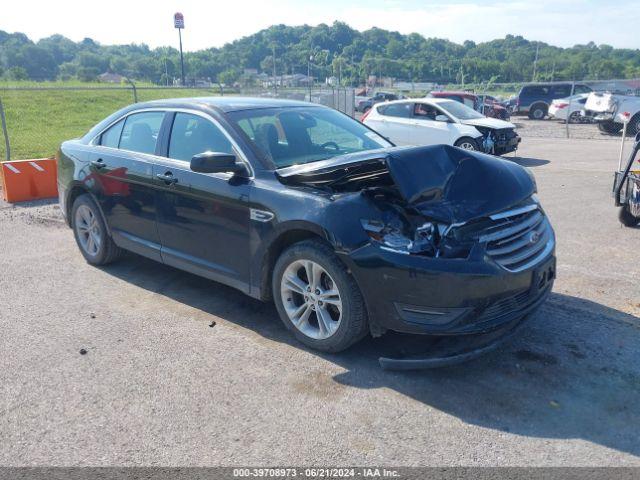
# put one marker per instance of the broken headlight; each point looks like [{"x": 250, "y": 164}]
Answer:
[{"x": 424, "y": 240}]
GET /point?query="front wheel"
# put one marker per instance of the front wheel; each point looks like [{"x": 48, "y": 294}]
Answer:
[
  {"x": 626, "y": 218},
  {"x": 467, "y": 143},
  {"x": 317, "y": 299}
]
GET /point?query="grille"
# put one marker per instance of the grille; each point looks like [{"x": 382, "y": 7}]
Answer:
[
  {"x": 505, "y": 134},
  {"x": 514, "y": 303},
  {"x": 516, "y": 239}
]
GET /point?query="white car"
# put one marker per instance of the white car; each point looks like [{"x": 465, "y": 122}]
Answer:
[
  {"x": 571, "y": 106},
  {"x": 434, "y": 121},
  {"x": 609, "y": 110}
]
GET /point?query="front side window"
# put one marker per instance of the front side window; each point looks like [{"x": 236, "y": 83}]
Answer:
[
  {"x": 290, "y": 136},
  {"x": 424, "y": 111},
  {"x": 402, "y": 110},
  {"x": 140, "y": 132},
  {"x": 111, "y": 137},
  {"x": 193, "y": 134}
]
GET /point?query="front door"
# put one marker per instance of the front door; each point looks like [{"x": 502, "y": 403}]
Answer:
[
  {"x": 203, "y": 219},
  {"x": 121, "y": 179},
  {"x": 426, "y": 129}
]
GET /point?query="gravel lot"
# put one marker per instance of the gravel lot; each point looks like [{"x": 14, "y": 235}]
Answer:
[{"x": 160, "y": 386}]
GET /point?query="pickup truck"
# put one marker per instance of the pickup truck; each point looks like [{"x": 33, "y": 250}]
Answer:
[{"x": 607, "y": 109}]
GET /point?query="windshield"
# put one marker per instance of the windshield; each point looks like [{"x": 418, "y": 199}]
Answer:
[
  {"x": 296, "y": 135},
  {"x": 460, "y": 111}
]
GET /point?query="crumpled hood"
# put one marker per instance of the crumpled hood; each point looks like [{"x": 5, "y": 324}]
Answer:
[
  {"x": 455, "y": 185},
  {"x": 488, "y": 122},
  {"x": 445, "y": 183}
]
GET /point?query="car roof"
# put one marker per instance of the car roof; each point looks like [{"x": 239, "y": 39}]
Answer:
[
  {"x": 462, "y": 94},
  {"x": 227, "y": 104}
]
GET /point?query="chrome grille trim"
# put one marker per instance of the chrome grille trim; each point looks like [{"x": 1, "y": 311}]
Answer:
[{"x": 517, "y": 239}]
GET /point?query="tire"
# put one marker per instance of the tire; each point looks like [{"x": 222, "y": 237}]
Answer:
[
  {"x": 575, "y": 117},
  {"x": 538, "y": 111},
  {"x": 634, "y": 125},
  {"x": 346, "y": 325},
  {"x": 610, "y": 128},
  {"x": 626, "y": 219},
  {"x": 467, "y": 143},
  {"x": 91, "y": 234}
]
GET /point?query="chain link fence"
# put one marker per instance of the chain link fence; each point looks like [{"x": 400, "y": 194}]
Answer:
[{"x": 37, "y": 119}]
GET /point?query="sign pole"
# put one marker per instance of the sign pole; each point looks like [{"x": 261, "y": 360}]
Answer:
[
  {"x": 178, "y": 22},
  {"x": 181, "y": 56}
]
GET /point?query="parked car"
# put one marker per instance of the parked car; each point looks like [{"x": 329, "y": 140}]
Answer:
[
  {"x": 534, "y": 99},
  {"x": 572, "y": 107},
  {"x": 301, "y": 205},
  {"x": 364, "y": 106},
  {"x": 607, "y": 109},
  {"x": 485, "y": 104},
  {"x": 432, "y": 121}
]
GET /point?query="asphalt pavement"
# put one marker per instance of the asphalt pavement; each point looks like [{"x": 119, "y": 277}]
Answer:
[{"x": 182, "y": 371}]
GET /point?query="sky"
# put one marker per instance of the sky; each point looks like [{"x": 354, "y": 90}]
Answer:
[{"x": 213, "y": 23}]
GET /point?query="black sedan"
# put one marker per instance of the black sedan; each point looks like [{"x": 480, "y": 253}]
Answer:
[{"x": 302, "y": 205}]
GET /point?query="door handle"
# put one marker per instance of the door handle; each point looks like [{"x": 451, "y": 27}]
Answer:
[
  {"x": 99, "y": 163},
  {"x": 167, "y": 178}
]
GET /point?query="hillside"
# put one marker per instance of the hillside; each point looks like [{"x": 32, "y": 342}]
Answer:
[{"x": 335, "y": 49}]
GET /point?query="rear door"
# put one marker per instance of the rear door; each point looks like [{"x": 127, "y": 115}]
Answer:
[
  {"x": 121, "y": 179},
  {"x": 203, "y": 219},
  {"x": 394, "y": 122}
]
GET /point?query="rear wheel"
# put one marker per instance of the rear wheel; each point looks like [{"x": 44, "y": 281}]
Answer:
[
  {"x": 609, "y": 127},
  {"x": 91, "y": 234},
  {"x": 538, "y": 111},
  {"x": 626, "y": 218},
  {"x": 467, "y": 143},
  {"x": 575, "y": 117},
  {"x": 317, "y": 299}
]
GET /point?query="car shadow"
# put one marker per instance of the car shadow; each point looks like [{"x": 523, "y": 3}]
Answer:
[
  {"x": 529, "y": 161},
  {"x": 572, "y": 373}
]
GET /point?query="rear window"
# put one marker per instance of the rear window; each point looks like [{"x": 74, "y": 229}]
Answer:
[{"x": 402, "y": 110}]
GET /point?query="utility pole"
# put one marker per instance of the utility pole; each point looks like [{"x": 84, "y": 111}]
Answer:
[
  {"x": 273, "y": 55},
  {"x": 535, "y": 63},
  {"x": 178, "y": 22},
  {"x": 309, "y": 74}
]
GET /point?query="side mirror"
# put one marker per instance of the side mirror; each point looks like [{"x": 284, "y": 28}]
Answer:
[
  {"x": 216, "y": 162},
  {"x": 442, "y": 118}
]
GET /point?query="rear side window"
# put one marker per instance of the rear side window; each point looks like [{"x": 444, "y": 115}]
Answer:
[
  {"x": 193, "y": 134},
  {"x": 535, "y": 90},
  {"x": 111, "y": 137},
  {"x": 402, "y": 110},
  {"x": 561, "y": 91},
  {"x": 582, "y": 89},
  {"x": 140, "y": 132}
]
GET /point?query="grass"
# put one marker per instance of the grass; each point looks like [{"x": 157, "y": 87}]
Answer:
[{"x": 39, "y": 120}]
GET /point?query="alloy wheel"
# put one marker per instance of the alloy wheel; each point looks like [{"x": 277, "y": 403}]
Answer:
[
  {"x": 311, "y": 299},
  {"x": 467, "y": 146},
  {"x": 88, "y": 229}
]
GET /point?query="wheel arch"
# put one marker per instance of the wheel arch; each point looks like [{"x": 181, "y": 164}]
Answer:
[
  {"x": 77, "y": 189},
  {"x": 289, "y": 234}
]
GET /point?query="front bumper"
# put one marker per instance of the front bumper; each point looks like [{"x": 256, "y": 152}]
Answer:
[
  {"x": 508, "y": 145},
  {"x": 421, "y": 295}
]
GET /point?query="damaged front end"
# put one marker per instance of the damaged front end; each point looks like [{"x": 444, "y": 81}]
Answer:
[
  {"x": 441, "y": 241},
  {"x": 420, "y": 193}
]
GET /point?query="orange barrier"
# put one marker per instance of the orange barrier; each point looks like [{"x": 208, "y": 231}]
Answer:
[{"x": 28, "y": 179}]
